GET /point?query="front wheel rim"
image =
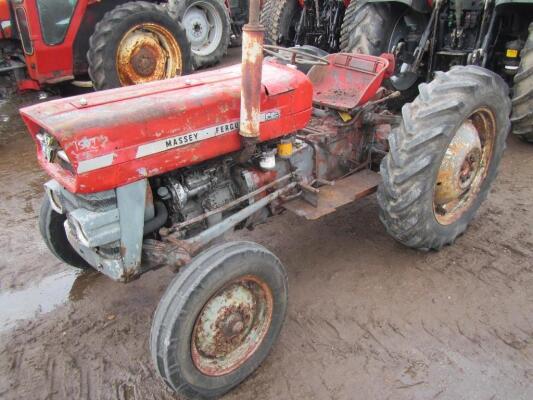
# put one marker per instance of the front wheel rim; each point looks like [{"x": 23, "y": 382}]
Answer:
[
  {"x": 148, "y": 52},
  {"x": 464, "y": 166},
  {"x": 232, "y": 325}
]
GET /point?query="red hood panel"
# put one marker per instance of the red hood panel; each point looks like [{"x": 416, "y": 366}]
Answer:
[{"x": 118, "y": 136}]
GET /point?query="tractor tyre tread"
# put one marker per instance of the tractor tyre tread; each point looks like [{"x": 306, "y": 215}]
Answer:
[
  {"x": 98, "y": 55},
  {"x": 522, "y": 116},
  {"x": 364, "y": 27},
  {"x": 417, "y": 146},
  {"x": 278, "y": 13},
  {"x": 265, "y": 18}
]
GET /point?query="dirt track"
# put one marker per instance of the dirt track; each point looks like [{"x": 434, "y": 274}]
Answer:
[{"x": 368, "y": 318}]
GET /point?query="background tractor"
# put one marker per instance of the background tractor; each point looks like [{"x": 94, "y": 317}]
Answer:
[
  {"x": 434, "y": 36},
  {"x": 117, "y": 43},
  {"x": 114, "y": 42},
  {"x": 307, "y": 23},
  {"x": 150, "y": 176}
]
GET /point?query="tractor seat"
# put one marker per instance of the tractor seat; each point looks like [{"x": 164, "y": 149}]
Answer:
[{"x": 349, "y": 80}]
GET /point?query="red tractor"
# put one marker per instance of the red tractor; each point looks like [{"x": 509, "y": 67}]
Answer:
[
  {"x": 150, "y": 176},
  {"x": 117, "y": 43}
]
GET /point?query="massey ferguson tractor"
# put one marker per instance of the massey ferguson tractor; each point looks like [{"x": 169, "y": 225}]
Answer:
[
  {"x": 150, "y": 176},
  {"x": 436, "y": 35}
]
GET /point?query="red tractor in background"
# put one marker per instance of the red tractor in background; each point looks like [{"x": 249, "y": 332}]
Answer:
[
  {"x": 150, "y": 176},
  {"x": 116, "y": 42},
  {"x": 113, "y": 42}
]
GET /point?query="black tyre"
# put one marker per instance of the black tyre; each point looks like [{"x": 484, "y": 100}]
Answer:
[
  {"x": 218, "y": 319},
  {"x": 137, "y": 42},
  {"x": 208, "y": 27},
  {"x": 280, "y": 25},
  {"x": 366, "y": 28},
  {"x": 522, "y": 117},
  {"x": 53, "y": 233},
  {"x": 377, "y": 28},
  {"x": 266, "y": 11},
  {"x": 444, "y": 157}
]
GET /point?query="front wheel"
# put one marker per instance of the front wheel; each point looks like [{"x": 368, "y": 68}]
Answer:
[
  {"x": 218, "y": 319},
  {"x": 51, "y": 226},
  {"x": 444, "y": 157}
]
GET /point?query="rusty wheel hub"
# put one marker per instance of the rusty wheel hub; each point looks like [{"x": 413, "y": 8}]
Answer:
[
  {"x": 231, "y": 326},
  {"x": 464, "y": 166},
  {"x": 147, "y": 52}
]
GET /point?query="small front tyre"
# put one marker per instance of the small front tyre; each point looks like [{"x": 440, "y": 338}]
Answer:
[
  {"x": 444, "y": 157},
  {"x": 51, "y": 226},
  {"x": 218, "y": 319}
]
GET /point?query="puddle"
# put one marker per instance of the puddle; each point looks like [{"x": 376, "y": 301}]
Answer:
[{"x": 42, "y": 297}]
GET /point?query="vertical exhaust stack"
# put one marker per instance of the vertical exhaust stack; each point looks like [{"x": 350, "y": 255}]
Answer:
[{"x": 252, "y": 65}]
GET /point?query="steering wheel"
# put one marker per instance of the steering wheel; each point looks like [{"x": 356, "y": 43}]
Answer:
[{"x": 294, "y": 55}]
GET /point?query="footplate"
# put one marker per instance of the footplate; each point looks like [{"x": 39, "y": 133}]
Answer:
[{"x": 329, "y": 198}]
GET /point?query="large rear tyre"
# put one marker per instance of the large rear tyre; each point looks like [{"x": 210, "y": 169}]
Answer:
[
  {"x": 137, "y": 42},
  {"x": 218, "y": 319},
  {"x": 208, "y": 27},
  {"x": 366, "y": 28},
  {"x": 377, "y": 28},
  {"x": 522, "y": 117},
  {"x": 280, "y": 18},
  {"x": 53, "y": 232},
  {"x": 444, "y": 157}
]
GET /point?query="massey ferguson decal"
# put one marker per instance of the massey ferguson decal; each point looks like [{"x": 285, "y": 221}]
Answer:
[{"x": 193, "y": 137}]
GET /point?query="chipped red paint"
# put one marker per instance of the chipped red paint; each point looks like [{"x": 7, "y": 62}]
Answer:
[
  {"x": 349, "y": 80},
  {"x": 118, "y": 121}
]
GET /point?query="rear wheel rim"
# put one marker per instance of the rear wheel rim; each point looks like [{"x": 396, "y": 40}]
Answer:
[
  {"x": 148, "y": 52},
  {"x": 464, "y": 166},
  {"x": 204, "y": 27},
  {"x": 232, "y": 325}
]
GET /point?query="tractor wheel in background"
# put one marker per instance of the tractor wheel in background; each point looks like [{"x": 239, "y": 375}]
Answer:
[
  {"x": 377, "y": 28},
  {"x": 266, "y": 11},
  {"x": 444, "y": 157},
  {"x": 53, "y": 232},
  {"x": 522, "y": 117},
  {"x": 208, "y": 28},
  {"x": 218, "y": 319},
  {"x": 135, "y": 43},
  {"x": 280, "y": 23}
]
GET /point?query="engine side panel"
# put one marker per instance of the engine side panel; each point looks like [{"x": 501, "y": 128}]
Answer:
[{"x": 116, "y": 137}]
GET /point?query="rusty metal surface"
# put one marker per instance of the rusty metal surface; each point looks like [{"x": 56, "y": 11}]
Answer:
[
  {"x": 331, "y": 197},
  {"x": 348, "y": 81},
  {"x": 232, "y": 325},
  {"x": 146, "y": 53},
  {"x": 113, "y": 125},
  {"x": 464, "y": 166},
  {"x": 252, "y": 66}
]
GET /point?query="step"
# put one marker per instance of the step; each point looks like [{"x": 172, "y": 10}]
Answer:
[{"x": 344, "y": 191}]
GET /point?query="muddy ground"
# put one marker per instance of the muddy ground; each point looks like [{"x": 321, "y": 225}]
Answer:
[{"x": 367, "y": 319}]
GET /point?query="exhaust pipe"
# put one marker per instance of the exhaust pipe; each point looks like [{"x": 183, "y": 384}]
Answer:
[{"x": 252, "y": 65}]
